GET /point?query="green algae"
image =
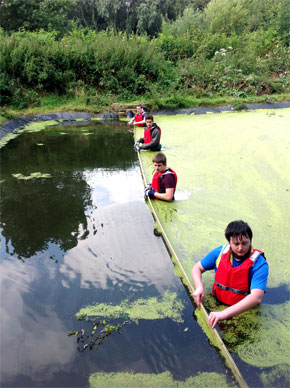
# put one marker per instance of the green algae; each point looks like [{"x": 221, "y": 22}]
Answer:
[
  {"x": 205, "y": 328},
  {"x": 234, "y": 166},
  {"x": 271, "y": 344},
  {"x": 7, "y": 138},
  {"x": 178, "y": 272},
  {"x": 168, "y": 306},
  {"x": 36, "y": 126},
  {"x": 33, "y": 175},
  {"x": 161, "y": 380},
  {"x": 39, "y": 126},
  {"x": 31, "y": 127},
  {"x": 278, "y": 377}
]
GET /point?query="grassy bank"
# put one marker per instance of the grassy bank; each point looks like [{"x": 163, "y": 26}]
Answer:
[
  {"x": 52, "y": 103},
  {"x": 88, "y": 70}
]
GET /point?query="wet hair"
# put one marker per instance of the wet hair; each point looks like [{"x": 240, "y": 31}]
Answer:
[
  {"x": 159, "y": 158},
  {"x": 238, "y": 229},
  {"x": 149, "y": 117}
]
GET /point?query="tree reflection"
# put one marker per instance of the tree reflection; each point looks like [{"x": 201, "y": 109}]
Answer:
[{"x": 40, "y": 211}]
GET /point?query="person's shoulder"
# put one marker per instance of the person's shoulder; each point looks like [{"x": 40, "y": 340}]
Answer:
[
  {"x": 217, "y": 249},
  {"x": 209, "y": 260},
  {"x": 168, "y": 180},
  {"x": 261, "y": 261}
]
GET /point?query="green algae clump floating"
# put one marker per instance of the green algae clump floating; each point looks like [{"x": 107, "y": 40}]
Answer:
[
  {"x": 31, "y": 127},
  {"x": 280, "y": 374},
  {"x": 38, "y": 126},
  {"x": 33, "y": 175},
  {"x": 169, "y": 306},
  {"x": 271, "y": 345},
  {"x": 161, "y": 380},
  {"x": 7, "y": 138}
]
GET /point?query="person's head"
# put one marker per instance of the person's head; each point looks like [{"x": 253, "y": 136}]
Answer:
[
  {"x": 239, "y": 236},
  {"x": 139, "y": 109},
  {"x": 159, "y": 162},
  {"x": 149, "y": 121}
]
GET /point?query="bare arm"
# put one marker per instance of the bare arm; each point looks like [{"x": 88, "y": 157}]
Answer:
[
  {"x": 250, "y": 301},
  {"x": 167, "y": 196},
  {"x": 196, "y": 274}
]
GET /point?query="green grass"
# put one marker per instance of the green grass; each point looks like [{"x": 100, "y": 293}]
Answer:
[{"x": 54, "y": 103}]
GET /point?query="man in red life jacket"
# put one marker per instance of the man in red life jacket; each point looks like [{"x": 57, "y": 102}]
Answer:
[
  {"x": 164, "y": 180},
  {"x": 241, "y": 273},
  {"x": 152, "y": 134},
  {"x": 139, "y": 118}
]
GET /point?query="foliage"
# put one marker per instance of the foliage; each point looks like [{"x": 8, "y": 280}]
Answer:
[
  {"x": 193, "y": 52},
  {"x": 34, "y": 15},
  {"x": 242, "y": 16},
  {"x": 96, "y": 334},
  {"x": 115, "y": 15}
]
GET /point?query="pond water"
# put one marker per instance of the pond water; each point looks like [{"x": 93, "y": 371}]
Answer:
[
  {"x": 235, "y": 165},
  {"x": 75, "y": 231}
]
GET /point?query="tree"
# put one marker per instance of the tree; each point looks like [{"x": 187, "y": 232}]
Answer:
[
  {"x": 149, "y": 18},
  {"x": 34, "y": 14},
  {"x": 113, "y": 11},
  {"x": 242, "y": 16}
]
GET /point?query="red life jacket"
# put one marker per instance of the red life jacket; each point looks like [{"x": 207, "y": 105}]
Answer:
[
  {"x": 147, "y": 133},
  {"x": 158, "y": 176},
  {"x": 232, "y": 284},
  {"x": 139, "y": 118}
]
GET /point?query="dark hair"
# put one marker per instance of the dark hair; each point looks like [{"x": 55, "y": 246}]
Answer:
[
  {"x": 149, "y": 117},
  {"x": 160, "y": 158},
  {"x": 140, "y": 105},
  {"x": 238, "y": 228}
]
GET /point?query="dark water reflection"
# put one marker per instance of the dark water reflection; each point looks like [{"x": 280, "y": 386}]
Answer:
[{"x": 84, "y": 236}]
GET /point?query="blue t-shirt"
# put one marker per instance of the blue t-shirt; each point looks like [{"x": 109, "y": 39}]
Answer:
[{"x": 258, "y": 272}]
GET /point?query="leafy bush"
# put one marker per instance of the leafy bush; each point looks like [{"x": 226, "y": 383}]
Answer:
[{"x": 186, "y": 59}]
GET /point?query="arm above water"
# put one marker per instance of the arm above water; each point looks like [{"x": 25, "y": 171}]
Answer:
[
  {"x": 196, "y": 274},
  {"x": 167, "y": 196},
  {"x": 205, "y": 264}
]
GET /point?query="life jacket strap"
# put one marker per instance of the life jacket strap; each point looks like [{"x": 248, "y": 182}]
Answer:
[
  {"x": 231, "y": 289},
  {"x": 254, "y": 256}
]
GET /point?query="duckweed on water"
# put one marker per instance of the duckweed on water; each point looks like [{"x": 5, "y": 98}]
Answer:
[
  {"x": 33, "y": 175},
  {"x": 205, "y": 327},
  {"x": 38, "y": 126},
  {"x": 271, "y": 345},
  {"x": 229, "y": 164},
  {"x": 169, "y": 306},
  {"x": 7, "y": 138},
  {"x": 162, "y": 380},
  {"x": 277, "y": 377},
  {"x": 31, "y": 127}
]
